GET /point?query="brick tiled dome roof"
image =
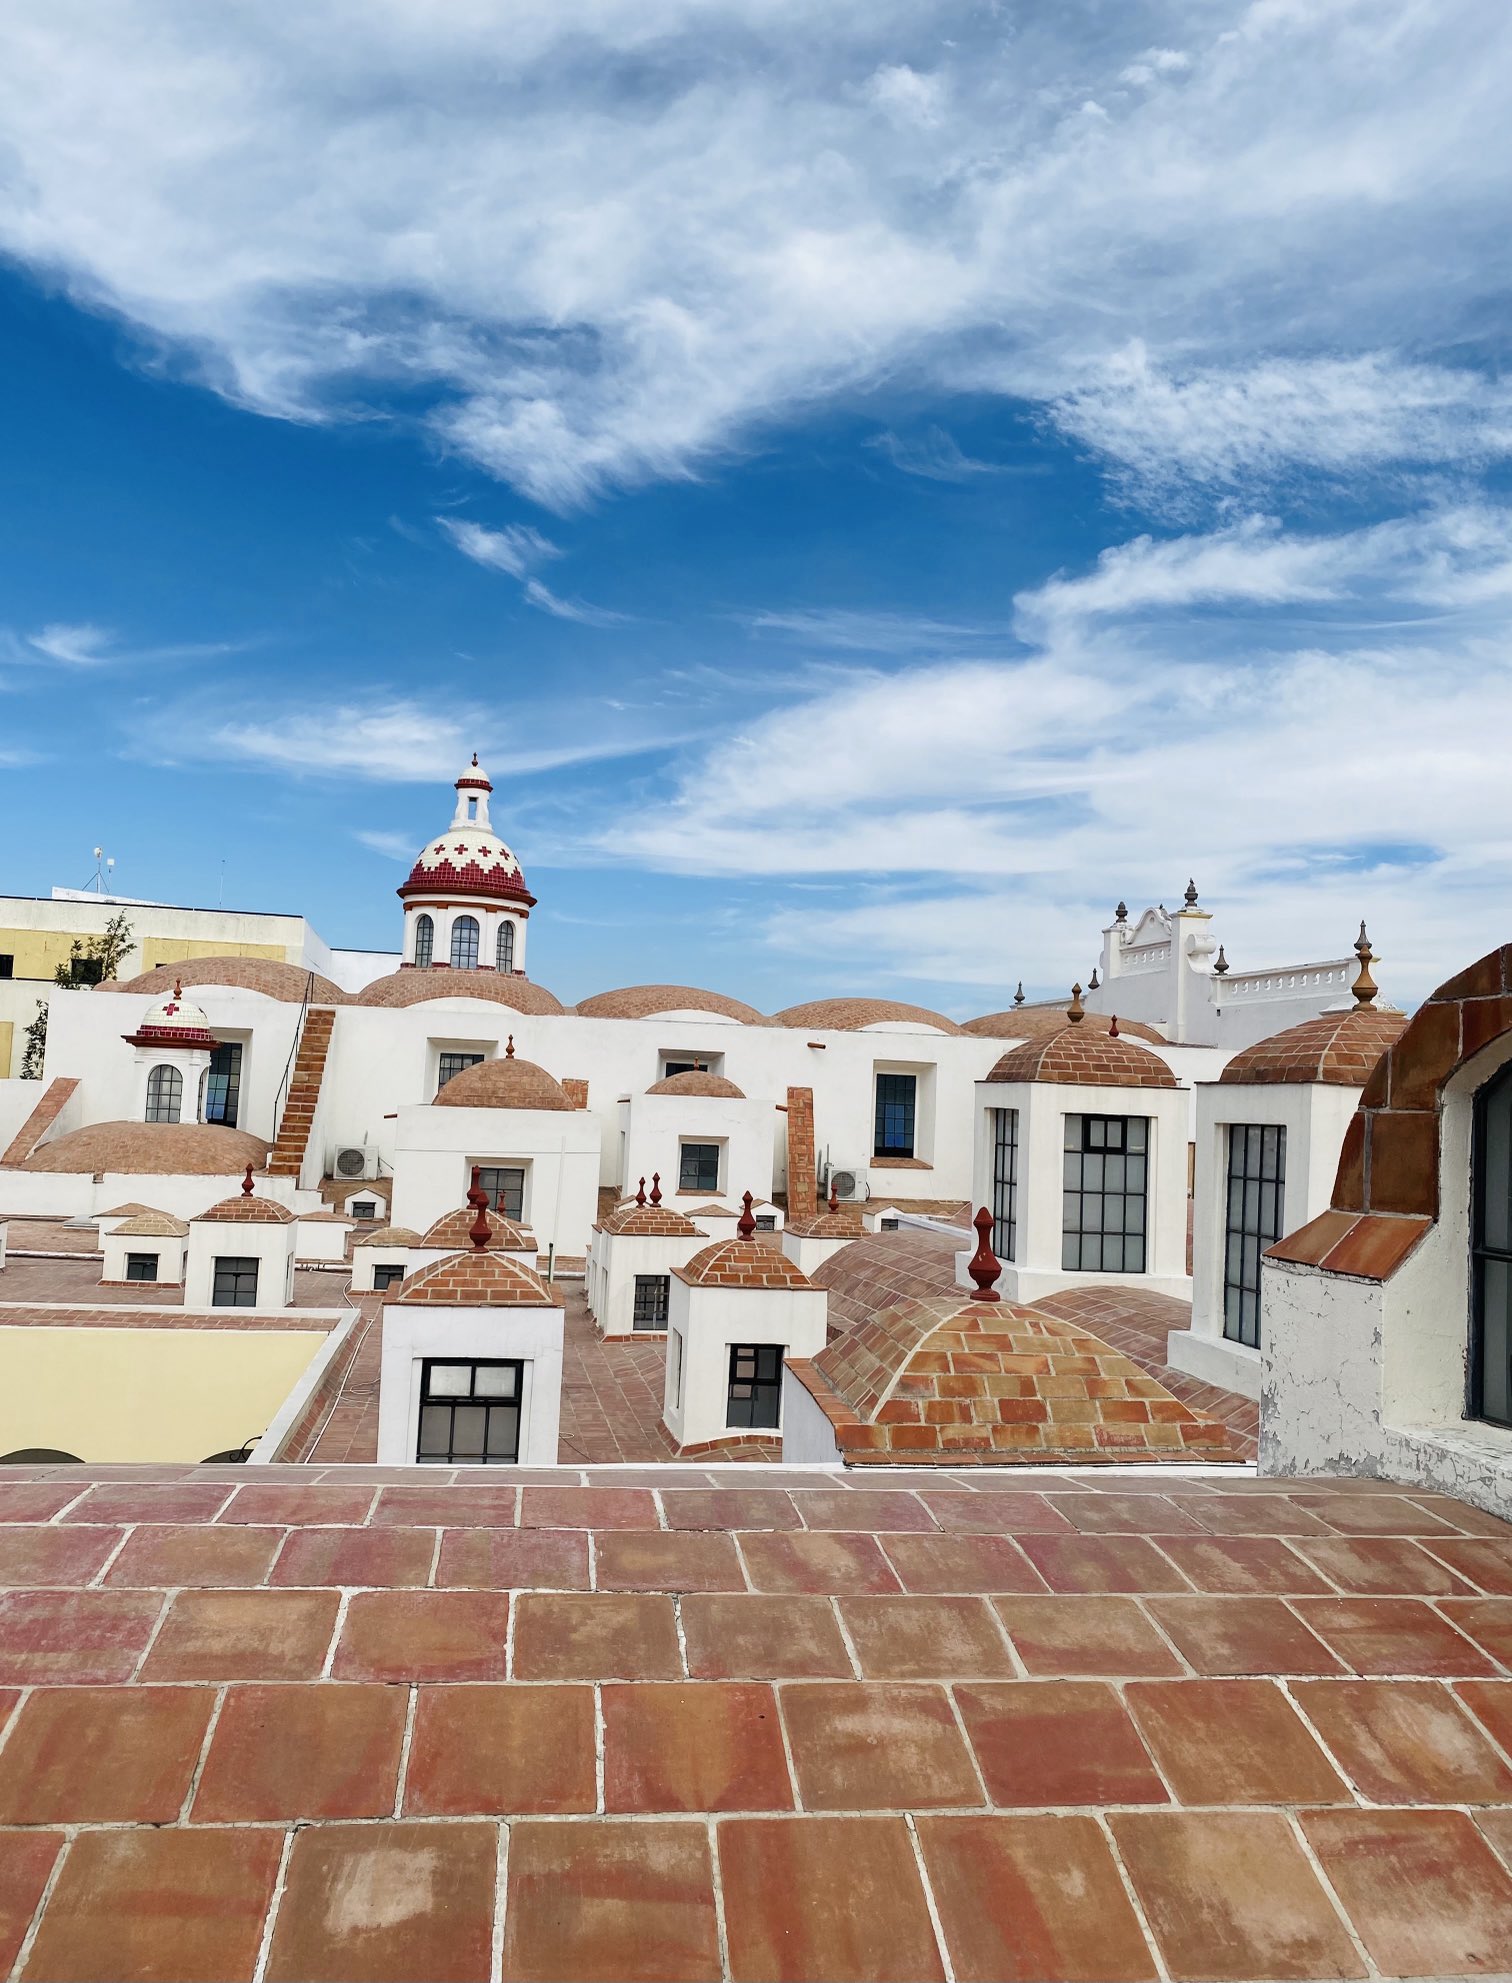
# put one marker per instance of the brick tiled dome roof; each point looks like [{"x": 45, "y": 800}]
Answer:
[
  {"x": 245, "y": 1210},
  {"x": 697, "y": 1081},
  {"x": 649, "y": 1001},
  {"x": 845, "y": 1223},
  {"x": 268, "y": 975},
  {"x": 1033, "y": 1022},
  {"x": 152, "y": 1225},
  {"x": 454, "y": 1229},
  {"x": 850, "y": 1015},
  {"x": 388, "y": 1236},
  {"x": 510, "y": 1083},
  {"x": 477, "y": 1279},
  {"x": 742, "y": 1263},
  {"x": 1084, "y": 1060},
  {"x": 416, "y": 987},
  {"x": 153, "y": 1149},
  {"x": 649, "y": 1222},
  {"x": 1337, "y": 1048}
]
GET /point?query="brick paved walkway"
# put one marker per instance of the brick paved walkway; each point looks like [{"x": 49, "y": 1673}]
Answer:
[{"x": 749, "y": 1723}]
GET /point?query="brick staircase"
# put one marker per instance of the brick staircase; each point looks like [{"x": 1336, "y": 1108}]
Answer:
[
  {"x": 41, "y": 1119},
  {"x": 293, "y": 1137}
]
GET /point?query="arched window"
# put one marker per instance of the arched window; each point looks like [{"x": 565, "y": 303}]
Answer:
[
  {"x": 425, "y": 941},
  {"x": 505, "y": 954},
  {"x": 464, "y": 948},
  {"x": 165, "y": 1094},
  {"x": 1491, "y": 1340}
]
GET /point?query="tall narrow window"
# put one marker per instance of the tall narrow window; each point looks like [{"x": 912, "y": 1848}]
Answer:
[
  {"x": 464, "y": 944},
  {"x": 755, "y": 1393},
  {"x": 505, "y": 1187},
  {"x": 1005, "y": 1127},
  {"x": 235, "y": 1284},
  {"x": 472, "y": 809},
  {"x": 504, "y": 949},
  {"x": 425, "y": 941},
  {"x": 896, "y": 1096},
  {"x": 1103, "y": 1205},
  {"x": 469, "y": 1413},
  {"x": 165, "y": 1094},
  {"x": 1253, "y": 1220},
  {"x": 223, "y": 1089},
  {"x": 1491, "y": 1331},
  {"x": 651, "y": 1292}
]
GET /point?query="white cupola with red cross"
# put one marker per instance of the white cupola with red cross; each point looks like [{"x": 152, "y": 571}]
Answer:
[
  {"x": 173, "y": 1047},
  {"x": 465, "y": 902}
]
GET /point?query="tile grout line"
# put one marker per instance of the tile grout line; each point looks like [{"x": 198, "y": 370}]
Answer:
[
  {"x": 845, "y": 1637},
  {"x": 275, "y": 1903},
  {"x": 338, "y": 1628},
  {"x": 435, "y": 1562},
  {"x": 406, "y": 1741},
  {"x": 1284, "y": 1685},
  {"x": 598, "y": 1748},
  {"x": 1320, "y": 1874},
  {"x": 1100, "y": 1819},
  {"x": 716, "y": 1883},
  {"x": 512, "y": 1601},
  {"x": 938, "y": 1926},
  {"x": 948, "y": 1689},
  {"x": 170, "y": 1596},
  {"x": 1141, "y": 1603},
  {"x": 34, "y": 1927},
  {"x": 501, "y": 1890},
  {"x": 211, "y": 1724},
  {"x": 1502, "y": 1749},
  {"x": 993, "y": 1604},
  {"x": 97, "y": 1581},
  {"x": 778, "y": 1688}
]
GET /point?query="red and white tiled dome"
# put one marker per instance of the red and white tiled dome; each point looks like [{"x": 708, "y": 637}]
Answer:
[
  {"x": 174, "y": 1021},
  {"x": 469, "y": 859}
]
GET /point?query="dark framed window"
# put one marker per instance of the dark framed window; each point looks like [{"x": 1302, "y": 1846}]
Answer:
[
  {"x": 698, "y": 1167},
  {"x": 223, "y": 1089},
  {"x": 1491, "y": 1254},
  {"x": 464, "y": 944},
  {"x": 387, "y": 1277},
  {"x": 1252, "y": 1221},
  {"x": 1005, "y": 1135},
  {"x": 680, "y": 1063},
  {"x": 165, "y": 1094},
  {"x": 85, "y": 970},
  {"x": 7, "y": 964},
  {"x": 651, "y": 1293},
  {"x": 469, "y": 1412},
  {"x": 897, "y": 1095},
  {"x": 755, "y": 1394},
  {"x": 141, "y": 1266},
  {"x": 1105, "y": 1184},
  {"x": 235, "y": 1284},
  {"x": 450, "y": 1065},
  {"x": 504, "y": 947},
  {"x": 364, "y": 1208},
  {"x": 505, "y": 1185},
  {"x": 766, "y": 1222},
  {"x": 425, "y": 940}
]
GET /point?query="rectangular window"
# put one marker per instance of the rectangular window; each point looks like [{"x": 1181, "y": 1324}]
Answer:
[
  {"x": 896, "y": 1095},
  {"x": 1105, "y": 1181},
  {"x": 85, "y": 970},
  {"x": 469, "y": 1413},
  {"x": 698, "y": 1168},
  {"x": 755, "y": 1395},
  {"x": 235, "y": 1283},
  {"x": 651, "y": 1292},
  {"x": 364, "y": 1208},
  {"x": 141, "y": 1266},
  {"x": 1005, "y": 1128},
  {"x": 7, "y": 965},
  {"x": 888, "y": 1225},
  {"x": 223, "y": 1088},
  {"x": 671, "y": 1065},
  {"x": 766, "y": 1222},
  {"x": 505, "y": 1186},
  {"x": 387, "y": 1277},
  {"x": 1256, "y": 1190},
  {"x": 449, "y": 1065}
]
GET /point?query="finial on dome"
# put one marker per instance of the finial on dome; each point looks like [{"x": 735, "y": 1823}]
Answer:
[
  {"x": 178, "y": 984},
  {"x": 1190, "y": 898},
  {"x": 1121, "y": 913},
  {"x": 247, "y": 1183},
  {"x": 509, "y": 1052},
  {"x": 475, "y": 760},
  {"x": 1220, "y": 964},
  {"x": 984, "y": 1266},
  {"x": 745, "y": 1225},
  {"x": 1365, "y": 986},
  {"x": 1018, "y": 996},
  {"x": 1074, "y": 1011},
  {"x": 479, "y": 1232},
  {"x": 656, "y": 1187},
  {"x": 640, "y": 1196},
  {"x": 1113, "y": 1027},
  {"x": 1092, "y": 982},
  {"x": 834, "y": 1197}
]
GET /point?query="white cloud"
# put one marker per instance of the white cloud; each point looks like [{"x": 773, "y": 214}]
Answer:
[
  {"x": 576, "y": 610},
  {"x": 863, "y": 633},
  {"x": 80, "y": 645},
  {"x": 83, "y": 644},
  {"x": 397, "y": 846},
  {"x": 935, "y": 454},
  {"x": 516, "y": 549},
  {"x": 906, "y": 96}
]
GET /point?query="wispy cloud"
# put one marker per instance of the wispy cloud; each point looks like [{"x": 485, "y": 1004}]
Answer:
[
  {"x": 935, "y": 454},
  {"x": 517, "y": 549},
  {"x": 856, "y": 632},
  {"x": 83, "y": 644},
  {"x": 577, "y": 610},
  {"x": 397, "y": 846}
]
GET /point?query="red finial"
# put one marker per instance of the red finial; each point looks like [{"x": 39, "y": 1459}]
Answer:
[
  {"x": 1113, "y": 1027},
  {"x": 983, "y": 1265},
  {"x": 745, "y": 1225},
  {"x": 178, "y": 983},
  {"x": 656, "y": 1187},
  {"x": 475, "y": 760},
  {"x": 834, "y": 1203},
  {"x": 640, "y": 1196},
  {"x": 479, "y": 1232},
  {"x": 509, "y": 1049},
  {"x": 247, "y": 1183}
]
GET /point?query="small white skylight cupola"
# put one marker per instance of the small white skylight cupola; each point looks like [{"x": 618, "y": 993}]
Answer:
[{"x": 465, "y": 902}]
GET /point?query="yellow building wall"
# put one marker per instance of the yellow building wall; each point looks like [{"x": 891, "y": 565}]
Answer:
[
  {"x": 38, "y": 953},
  {"x": 177, "y": 949},
  {"x": 145, "y": 1394},
  {"x": 7, "y": 1037}
]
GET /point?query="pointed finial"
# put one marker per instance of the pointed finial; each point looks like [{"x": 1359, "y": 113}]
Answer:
[
  {"x": 1121, "y": 913},
  {"x": 1092, "y": 982},
  {"x": 1074, "y": 1011},
  {"x": 1113, "y": 1027},
  {"x": 479, "y": 1232},
  {"x": 834, "y": 1197},
  {"x": 656, "y": 1187},
  {"x": 640, "y": 1196},
  {"x": 1190, "y": 898},
  {"x": 509, "y": 1049},
  {"x": 247, "y": 1183},
  {"x": 178, "y": 985},
  {"x": 475, "y": 760},
  {"x": 1220, "y": 963},
  {"x": 984, "y": 1266},
  {"x": 1018, "y": 996},
  {"x": 745, "y": 1225},
  {"x": 1365, "y": 986}
]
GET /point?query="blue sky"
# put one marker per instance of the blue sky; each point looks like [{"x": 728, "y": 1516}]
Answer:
[{"x": 876, "y": 483}]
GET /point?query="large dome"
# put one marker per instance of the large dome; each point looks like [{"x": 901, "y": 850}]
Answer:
[
  {"x": 416, "y": 987},
  {"x": 291, "y": 984},
  {"x": 509, "y": 1083},
  {"x": 164, "y": 1149},
  {"x": 469, "y": 859}
]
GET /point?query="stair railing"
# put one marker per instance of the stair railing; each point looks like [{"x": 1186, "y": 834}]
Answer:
[{"x": 288, "y": 1073}]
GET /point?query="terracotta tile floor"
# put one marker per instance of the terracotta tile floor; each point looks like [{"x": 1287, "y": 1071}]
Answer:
[{"x": 694, "y": 1723}]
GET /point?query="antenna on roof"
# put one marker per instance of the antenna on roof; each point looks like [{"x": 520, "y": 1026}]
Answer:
[
  {"x": 1365, "y": 986},
  {"x": 984, "y": 1266}
]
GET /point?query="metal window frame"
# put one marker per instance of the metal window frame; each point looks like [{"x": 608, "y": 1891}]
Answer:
[
  {"x": 651, "y": 1300},
  {"x": 136, "y": 1260},
  {"x": 425, "y": 941},
  {"x": 463, "y": 1060},
  {"x": 516, "y": 1404},
  {"x": 1495, "y": 1093},
  {"x": 1005, "y": 1153},
  {"x": 504, "y": 946},
  {"x": 698, "y": 1183},
  {"x": 1253, "y": 1219},
  {"x": 464, "y": 949},
  {"x": 500, "y": 1195},
  {"x": 237, "y": 1268},
  {"x": 884, "y": 1141},
  {"x": 1088, "y": 1237},
  {"x": 223, "y": 1085},
  {"x": 763, "y": 1391},
  {"x": 165, "y": 1075},
  {"x": 392, "y": 1274}
]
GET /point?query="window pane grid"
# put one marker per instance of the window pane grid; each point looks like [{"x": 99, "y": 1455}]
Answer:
[
  {"x": 504, "y": 947},
  {"x": 464, "y": 944},
  {"x": 450, "y": 1065},
  {"x": 425, "y": 941},
  {"x": 698, "y": 1168},
  {"x": 1256, "y": 1201},
  {"x": 754, "y": 1399},
  {"x": 165, "y": 1094},
  {"x": 505, "y": 1188},
  {"x": 1103, "y": 1202},
  {"x": 896, "y": 1095},
  {"x": 235, "y": 1283},
  {"x": 223, "y": 1089},
  {"x": 469, "y": 1412},
  {"x": 652, "y": 1292},
  {"x": 1005, "y": 1125}
]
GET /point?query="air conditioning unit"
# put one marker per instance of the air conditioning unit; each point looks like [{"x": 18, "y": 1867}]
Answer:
[
  {"x": 850, "y": 1184},
  {"x": 350, "y": 1160}
]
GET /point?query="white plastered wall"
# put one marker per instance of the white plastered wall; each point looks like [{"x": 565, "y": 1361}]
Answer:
[
  {"x": 271, "y": 1245},
  {"x": 558, "y": 1149},
  {"x": 367, "y": 1259},
  {"x": 615, "y": 1259},
  {"x": 656, "y": 1126},
  {"x": 413, "y": 1333},
  {"x": 708, "y": 1320},
  {"x": 807, "y": 1252},
  {"x": 169, "y": 1251}
]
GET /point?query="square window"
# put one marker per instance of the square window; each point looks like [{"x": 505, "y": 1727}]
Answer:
[
  {"x": 364, "y": 1208},
  {"x": 698, "y": 1167},
  {"x": 235, "y": 1282},
  {"x": 141, "y": 1266},
  {"x": 388, "y": 1276},
  {"x": 766, "y": 1222},
  {"x": 754, "y": 1398},
  {"x": 469, "y": 1412},
  {"x": 449, "y": 1065},
  {"x": 652, "y": 1292},
  {"x": 505, "y": 1186},
  {"x": 7, "y": 965}
]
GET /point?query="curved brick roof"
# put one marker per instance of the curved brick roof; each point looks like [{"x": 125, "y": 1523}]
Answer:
[
  {"x": 127, "y": 1211},
  {"x": 697, "y": 1081},
  {"x": 850, "y": 1015},
  {"x": 478, "y": 1278},
  {"x": 646, "y": 1001},
  {"x": 1338, "y": 1048},
  {"x": 649, "y": 1222},
  {"x": 268, "y": 975},
  {"x": 153, "y": 1149},
  {"x": 151, "y": 1225},
  {"x": 843, "y": 1223},
  {"x": 245, "y": 1210},
  {"x": 1034, "y": 1022},
  {"x": 416, "y": 987},
  {"x": 454, "y": 1229},
  {"x": 1084, "y": 1060},
  {"x": 742, "y": 1263},
  {"x": 506, "y": 1083},
  {"x": 387, "y": 1236}
]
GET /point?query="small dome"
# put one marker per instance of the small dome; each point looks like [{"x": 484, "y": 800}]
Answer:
[
  {"x": 649, "y": 1222},
  {"x": 387, "y": 1236},
  {"x": 289, "y": 983},
  {"x": 152, "y": 1149},
  {"x": 650, "y": 1001},
  {"x": 1339, "y": 1049},
  {"x": 247, "y": 1210},
  {"x": 843, "y": 1223},
  {"x": 454, "y": 1229},
  {"x": 1033, "y": 1022},
  {"x": 418, "y": 986},
  {"x": 1084, "y": 1060},
  {"x": 175, "y": 1021},
  {"x": 852, "y": 1015},
  {"x": 752, "y": 1264},
  {"x": 477, "y": 1279},
  {"x": 697, "y": 1081},
  {"x": 469, "y": 859},
  {"x": 151, "y": 1225},
  {"x": 507, "y": 1083}
]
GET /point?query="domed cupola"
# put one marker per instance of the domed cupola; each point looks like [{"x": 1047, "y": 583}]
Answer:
[
  {"x": 465, "y": 902},
  {"x": 175, "y": 1021},
  {"x": 173, "y": 1048}
]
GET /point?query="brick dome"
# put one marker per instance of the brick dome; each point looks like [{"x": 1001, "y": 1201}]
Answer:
[
  {"x": 649, "y": 1222},
  {"x": 477, "y": 1279},
  {"x": 289, "y": 983},
  {"x": 469, "y": 861},
  {"x": 742, "y": 1263},
  {"x": 387, "y": 1236},
  {"x": 1033, "y": 1022},
  {"x": 650, "y": 1001},
  {"x": 507, "y": 1083},
  {"x": 455, "y": 1229},
  {"x": 152, "y": 1149},
  {"x": 246, "y": 1210},
  {"x": 416, "y": 986},
  {"x": 697, "y": 1081},
  {"x": 1077, "y": 1058},
  {"x": 1339, "y": 1049},
  {"x": 852, "y": 1015},
  {"x": 151, "y": 1225}
]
